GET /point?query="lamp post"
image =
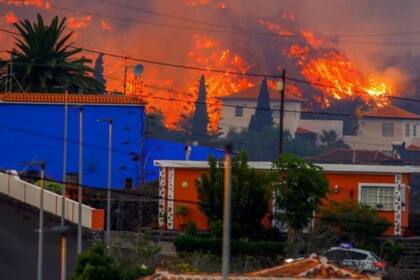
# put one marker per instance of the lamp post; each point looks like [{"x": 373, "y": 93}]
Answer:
[
  {"x": 226, "y": 213},
  {"x": 79, "y": 220},
  {"x": 41, "y": 164},
  {"x": 63, "y": 191},
  {"x": 108, "y": 204}
]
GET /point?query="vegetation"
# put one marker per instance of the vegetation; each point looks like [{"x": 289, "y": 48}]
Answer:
[
  {"x": 250, "y": 192},
  {"x": 99, "y": 71},
  {"x": 300, "y": 187},
  {"x": 329, "y": 140},
  {"x": 185, "y": 243},
  {"x": 361, "y": 224},
  {"x": 136, "y": 254},
  {"x": 96, "y": 264},
  {"x": 263, "y": 115},
  {"x": 200, "y": 119},
  {"x": 44, "y": 60}
]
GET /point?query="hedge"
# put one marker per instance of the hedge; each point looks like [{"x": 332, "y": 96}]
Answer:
[{"x": 184, "y": 243}]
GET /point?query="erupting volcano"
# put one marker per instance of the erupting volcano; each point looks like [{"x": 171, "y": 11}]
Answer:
[{"x": 319, "y": 71}]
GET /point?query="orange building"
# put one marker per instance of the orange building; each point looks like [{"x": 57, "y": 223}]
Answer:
[{"x": 386, "y": 188}]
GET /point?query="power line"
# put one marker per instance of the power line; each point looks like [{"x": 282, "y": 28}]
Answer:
[{"x": 157, "y": 197}]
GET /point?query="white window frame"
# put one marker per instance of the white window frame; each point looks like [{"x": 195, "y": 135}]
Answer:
[
  {"x": 239, "y": 111},
  {"x": 392, "y": 129},
  {"x": 382, "y": 185}
]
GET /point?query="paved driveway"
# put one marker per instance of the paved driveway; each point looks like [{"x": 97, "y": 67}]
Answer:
[{"x": 19, "y": 244}]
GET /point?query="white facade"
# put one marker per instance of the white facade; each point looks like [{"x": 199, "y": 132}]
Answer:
[
  {"x": 237, "y": 113},
  {"x": 380, "y": 134}
]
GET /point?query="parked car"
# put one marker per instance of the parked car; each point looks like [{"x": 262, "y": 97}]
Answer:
[{"x": 358, "y": 259}]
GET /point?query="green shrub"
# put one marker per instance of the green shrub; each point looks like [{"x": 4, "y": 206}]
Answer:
[
  {"x": 391, "y": 251},
  {"x": 184, "y": 243},
  {"x": 191, "y": 229},
  {"x": 360, "y": 223}
]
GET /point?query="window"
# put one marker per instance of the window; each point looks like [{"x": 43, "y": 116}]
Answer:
[
  {"x": 407, "y": 130},
  {"x": 415, "y": 130},
  {"x": 239, "y": 111},
  {"x": 357, "y": 256},
  {"x": 381, "y": 198},
  {"x": 388, "y": 129}
]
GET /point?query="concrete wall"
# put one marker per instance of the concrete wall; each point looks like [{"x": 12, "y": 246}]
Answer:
[
  {"x": 12, "y": 186},
  {"x": 231, "y": 122}
]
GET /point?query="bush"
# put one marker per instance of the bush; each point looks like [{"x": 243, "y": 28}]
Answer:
[
  {"x": 184, "y": 243},
  {"x": 191, "y": 229},
  {"x": 360, "y": 223},
  {"x": 96, "y": 264},
  {"x": 391, "y": 251}
]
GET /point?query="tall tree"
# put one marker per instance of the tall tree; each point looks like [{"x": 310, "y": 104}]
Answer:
[
  {"x": 99, "y": 71},
  {"x": 200, "y": 118},
  {"x": 263, "y": 117},
  {"x": 250, "y": 192},
  {"x": 300, "y": 187},
  {"x": 43, "y": 60}
]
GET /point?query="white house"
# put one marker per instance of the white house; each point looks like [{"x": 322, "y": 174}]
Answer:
[
  {"x": 239, "y": 107},
  {"x": 379, "y": 128}
]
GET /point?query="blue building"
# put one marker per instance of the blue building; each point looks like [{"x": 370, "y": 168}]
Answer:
[{"x": 32, "y": 129}]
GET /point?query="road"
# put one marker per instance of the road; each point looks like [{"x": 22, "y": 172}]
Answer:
[{"x": 19, "y": 244}]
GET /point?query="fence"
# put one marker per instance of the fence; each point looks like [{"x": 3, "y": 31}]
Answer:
[{"x": 13, "y": 186}]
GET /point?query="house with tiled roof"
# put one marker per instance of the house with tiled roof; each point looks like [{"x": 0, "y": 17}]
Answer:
[
  {"x": 380, "y": 128},
  {"x": 239, "y": 107},
  {"x": 313, "y": 267}
]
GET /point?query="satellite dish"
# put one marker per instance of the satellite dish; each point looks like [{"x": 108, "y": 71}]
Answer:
[{"x": 138, "y": 70}]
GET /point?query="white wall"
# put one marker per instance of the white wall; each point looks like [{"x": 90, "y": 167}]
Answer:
[
  {"x": 230, "y": 121},
  {"x": 13, "y": 186}
]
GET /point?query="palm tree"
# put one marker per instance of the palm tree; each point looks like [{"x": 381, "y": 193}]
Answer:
[{"x": 44, "y": 61}]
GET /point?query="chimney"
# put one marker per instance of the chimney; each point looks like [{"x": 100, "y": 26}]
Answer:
[{"x": 187, "y": 152}]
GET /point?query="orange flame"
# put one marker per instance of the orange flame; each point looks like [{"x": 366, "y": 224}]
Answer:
[
  {"x": 105, "y": 25},
  {"x": 34, "y": 3},
  {"x": 79, "y": 22},
  {"x": 10, "y": 18},
  {"x": 211, "y": 3}
]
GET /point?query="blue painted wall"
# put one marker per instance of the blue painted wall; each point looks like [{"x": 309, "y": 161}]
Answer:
[
  {"x": 167, "y": 150},
  {"x": 31, "y": 132}
]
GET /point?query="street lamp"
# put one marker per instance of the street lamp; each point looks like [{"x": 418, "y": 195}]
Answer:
[
  {"x": 41, "y": 164},
  {"x": 108, "y": 204}
]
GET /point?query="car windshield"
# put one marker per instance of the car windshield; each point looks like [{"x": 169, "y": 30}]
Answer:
[{"x": 375, "y": 256}]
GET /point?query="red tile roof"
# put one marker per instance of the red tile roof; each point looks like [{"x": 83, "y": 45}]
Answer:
[
  {"x": 301, "y": 130},
  {"x": 72, "y": 98},
  {"x": 390, "y": 112},
  {"x": 413, "y": 148},
  {"x": 312, "y": 267},
  {"x": 253, "y": 92}
]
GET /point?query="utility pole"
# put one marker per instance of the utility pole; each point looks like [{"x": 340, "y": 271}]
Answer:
[
  {"x": 281, "y": 117},
  {"x": 41, "y": 220},
  {"x": 226, "y": 214},
  {"x": 125, "y": 76},
  {"x": 79, "y": 220},
  {"x": 108, "y": 203},
  {"x": 11, "y": 76},
  {"x": 6, "y": 81},
  {"x": 63, "y": 192}
]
